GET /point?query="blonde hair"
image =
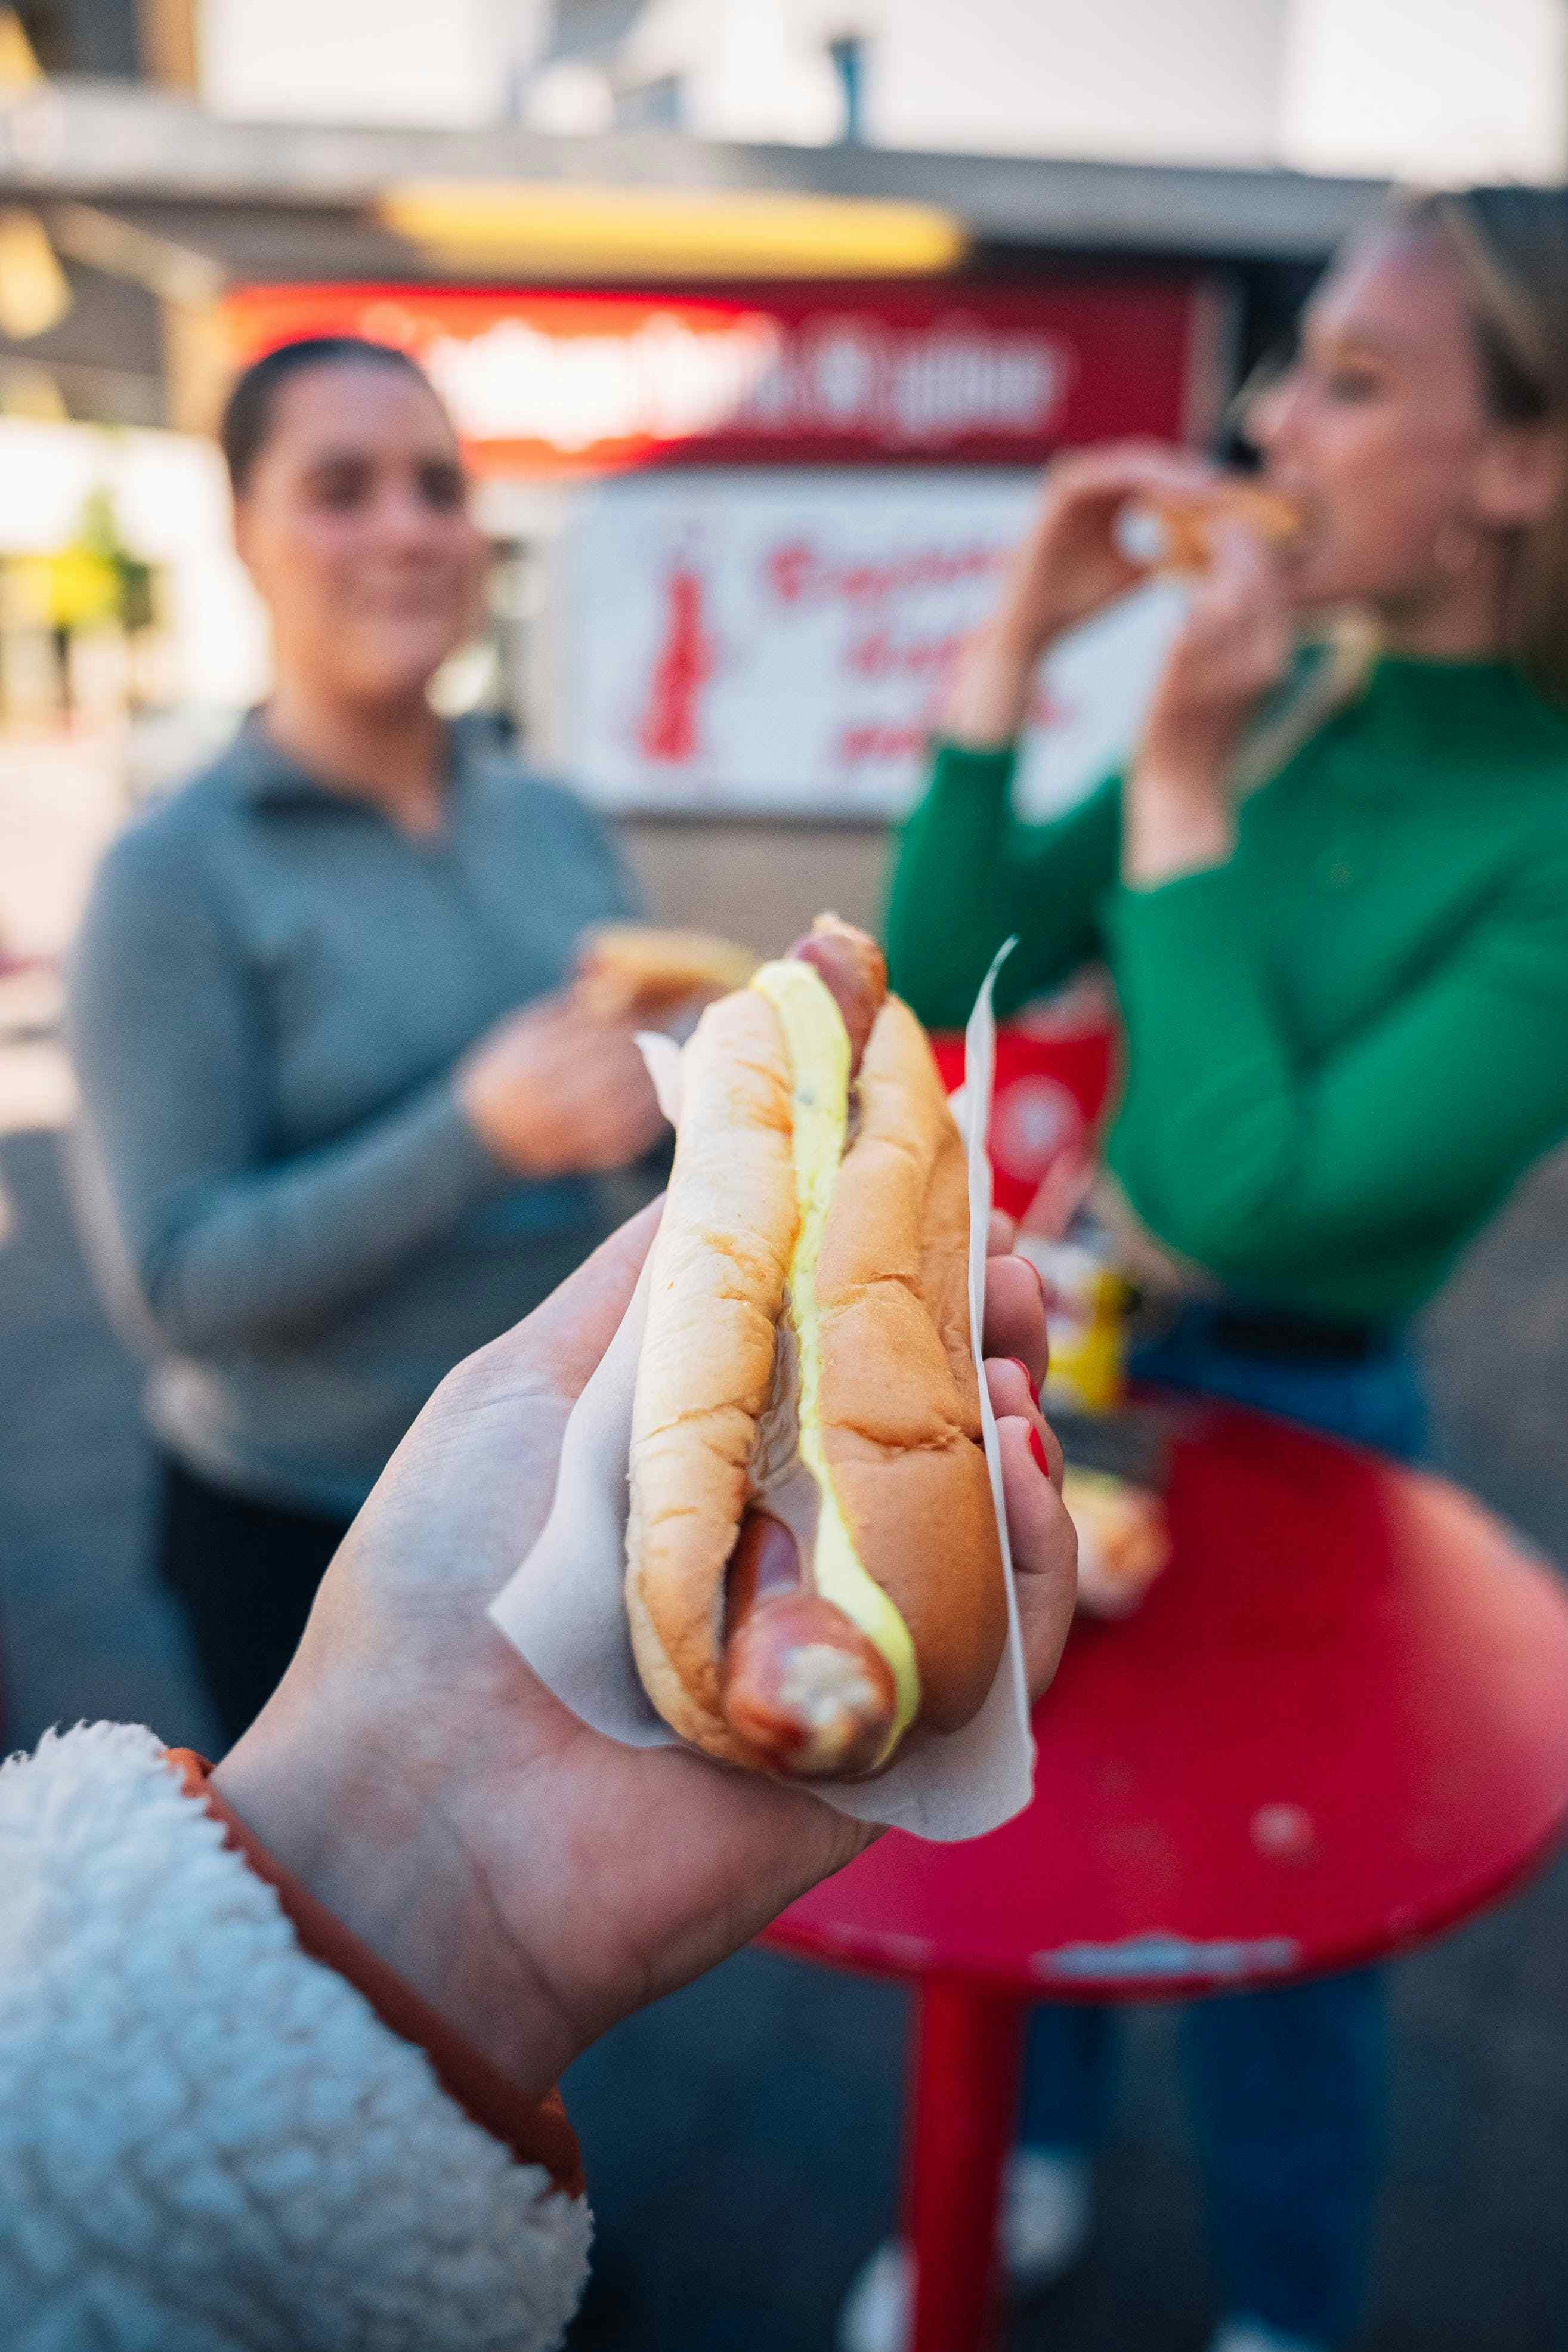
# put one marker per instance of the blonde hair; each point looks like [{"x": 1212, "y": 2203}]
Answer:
[
  {"x": 1509, "y": 245},
  {"x": 1330, "y": 684},
  {"x": 1511, "y": 248}
]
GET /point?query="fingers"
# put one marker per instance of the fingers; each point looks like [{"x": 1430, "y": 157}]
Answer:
[
  {"x": 1124, "y": 467},
  {"x": 1242, "y": 582},
  {"x": 1039, "y": 1532},
  {"x": 1014, "y": 1319},
  {"x": 1014, "y": 1396},
  {"x": 606, "y": 1110},
  {"x": 1045, "y": 1554},
  {"x": 615, "y": 1131},
  {"x": 1236, "y": 582},
  {"x": 1237, "y": 638},
  {"x": 1000, "y": 1235}
]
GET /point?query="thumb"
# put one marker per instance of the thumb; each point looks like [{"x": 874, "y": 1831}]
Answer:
[{"x": 1242, "y": 566}]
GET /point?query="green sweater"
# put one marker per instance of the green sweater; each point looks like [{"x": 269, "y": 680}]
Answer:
[{"x": 1344, "y": 1045}]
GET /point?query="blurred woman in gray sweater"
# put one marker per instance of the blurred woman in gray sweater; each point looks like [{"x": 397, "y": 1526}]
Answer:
[{"x": 342, "y": 1118}]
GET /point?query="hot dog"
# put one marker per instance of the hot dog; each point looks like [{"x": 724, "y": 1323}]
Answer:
[
  {"x": 850, "y": 965},
  {"x": 803, "y": 1687},
  {"x": 636, "y": 971},
  {"x": 813, "y": 1565},
  {"x": 1185, "y": 529}
]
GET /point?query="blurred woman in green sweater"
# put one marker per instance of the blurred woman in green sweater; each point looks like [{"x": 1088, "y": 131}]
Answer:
[{"x": 1331, "y": 891}]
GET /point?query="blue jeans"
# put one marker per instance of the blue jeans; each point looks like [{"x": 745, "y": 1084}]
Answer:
[{"x": 1285, "y": 2086}]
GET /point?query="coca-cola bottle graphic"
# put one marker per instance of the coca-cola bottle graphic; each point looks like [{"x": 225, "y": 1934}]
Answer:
[{"x": 669, "y": 730}]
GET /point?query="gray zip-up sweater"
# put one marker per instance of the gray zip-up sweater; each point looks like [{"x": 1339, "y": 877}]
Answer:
[{"x": 286, "y": 1208}]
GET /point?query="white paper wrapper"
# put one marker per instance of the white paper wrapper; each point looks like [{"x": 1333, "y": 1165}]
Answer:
[{"x": 563, "y": 1610}]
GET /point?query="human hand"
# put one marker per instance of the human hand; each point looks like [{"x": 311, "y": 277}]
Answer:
[
  {"x": 1235, "y": 643},
  {"x": 554, "y": 1091},
  {"x": 1068, "y": 566},
  {"x": 533, "y": 1879}
]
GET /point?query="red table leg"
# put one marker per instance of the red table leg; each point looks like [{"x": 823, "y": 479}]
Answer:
[{"x": 962, "y": 2112}]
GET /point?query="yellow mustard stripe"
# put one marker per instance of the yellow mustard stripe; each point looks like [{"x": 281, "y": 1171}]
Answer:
[{"x": 819, "y": 1061}]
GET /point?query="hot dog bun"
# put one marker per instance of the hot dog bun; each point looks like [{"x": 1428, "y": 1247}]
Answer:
[
  {"x": 634, "y": 970},
  {"x": 1187, "y": 526},
  {"x": 851, "y": 1264},
  {"x": 717, "y": 1280},
  {"x": 901, "y": 1406}
]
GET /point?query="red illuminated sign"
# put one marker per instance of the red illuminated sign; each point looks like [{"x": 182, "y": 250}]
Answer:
[{"x": 586, "y": 382}]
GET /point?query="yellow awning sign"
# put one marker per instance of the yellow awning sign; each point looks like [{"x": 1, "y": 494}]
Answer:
[{"x": 556, "y": 229}]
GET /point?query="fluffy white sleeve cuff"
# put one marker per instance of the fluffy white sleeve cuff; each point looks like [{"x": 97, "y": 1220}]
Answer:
[{"x": 209, "y": 2141}]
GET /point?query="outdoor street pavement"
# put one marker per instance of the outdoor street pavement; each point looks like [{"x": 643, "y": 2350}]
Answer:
[{"x": 741, "y": 2138}]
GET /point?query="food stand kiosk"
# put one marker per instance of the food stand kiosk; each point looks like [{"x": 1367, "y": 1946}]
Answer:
[{"x": 740, "y": 532}]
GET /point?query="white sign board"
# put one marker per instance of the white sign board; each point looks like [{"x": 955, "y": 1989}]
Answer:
[{"x": 773, "y": 643}]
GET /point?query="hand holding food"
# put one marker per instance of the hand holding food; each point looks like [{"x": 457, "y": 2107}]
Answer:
[
  {"x": 1235, "y": 644},
  {"x": 1185, "y": 529},
  {"x": 555, "y": 1091},
  {"x": 1072, "y": 562},
  {"x": 814, "y": 1566},
  {"x": 534, "y": 1879},
  {"x": 634, "y": 971}
]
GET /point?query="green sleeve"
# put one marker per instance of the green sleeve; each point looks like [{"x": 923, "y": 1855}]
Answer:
[
  {"x": 969, "y": 875},
  {"x": 1254, "y": 1164}
]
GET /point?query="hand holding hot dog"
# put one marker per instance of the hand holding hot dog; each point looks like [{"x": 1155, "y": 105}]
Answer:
[
  {"x": 535, "y": 1880},
  {"x": 1070, "y": 564},
  {"x": 1235, "y": 643},
  {"x": 814, "y": 1572},
  {"x": 554, "y": 1091}
]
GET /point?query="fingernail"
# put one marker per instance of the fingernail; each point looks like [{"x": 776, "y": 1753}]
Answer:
[
  {"x": 1028, "y": 1383},
  {"x": 1037, "y": 1447}
]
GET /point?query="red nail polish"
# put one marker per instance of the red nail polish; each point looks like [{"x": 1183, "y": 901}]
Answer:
[
  {"x": 1033, "y": 1391},
  {"x": 1037, "y": 1447}
]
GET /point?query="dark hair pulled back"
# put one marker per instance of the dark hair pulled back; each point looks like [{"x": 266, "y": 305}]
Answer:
[{"x": 249, "y": 412}]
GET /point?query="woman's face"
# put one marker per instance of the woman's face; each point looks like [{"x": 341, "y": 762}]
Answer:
[
  {"x": 1379, "y": 431},
  {"x": 354, "y": 526}
]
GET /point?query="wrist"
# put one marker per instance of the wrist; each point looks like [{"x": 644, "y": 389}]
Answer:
[
  {"x": 338, "y": 1811},
  {"x": 1025, "y": 635},
  {"x": 992, "y": 686},
  {"x": 1176, "y": 820}
]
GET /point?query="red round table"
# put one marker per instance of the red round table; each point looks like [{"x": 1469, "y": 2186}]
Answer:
[{"x": 1338, "y": 1725}]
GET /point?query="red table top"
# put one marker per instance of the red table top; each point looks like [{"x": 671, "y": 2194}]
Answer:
[{"x": 1338, "y": 1724}]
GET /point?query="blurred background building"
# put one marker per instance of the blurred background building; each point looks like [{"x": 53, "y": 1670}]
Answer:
[
  {"x": 770, "y": 307},
  {"x": 1305, "y": 83},
  {"x": 758, "y": 317}
]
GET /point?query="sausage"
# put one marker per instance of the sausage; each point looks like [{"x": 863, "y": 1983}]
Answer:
[
  {"x": 849, "y": 963},
  {"x": 803, "y": 1687}
]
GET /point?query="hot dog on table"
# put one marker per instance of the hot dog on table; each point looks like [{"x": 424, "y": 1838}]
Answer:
[{"x": 814, "y": 1561}]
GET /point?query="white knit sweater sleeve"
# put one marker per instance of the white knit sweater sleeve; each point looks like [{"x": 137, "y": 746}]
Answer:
[{"x": 209, "y": 2141}]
